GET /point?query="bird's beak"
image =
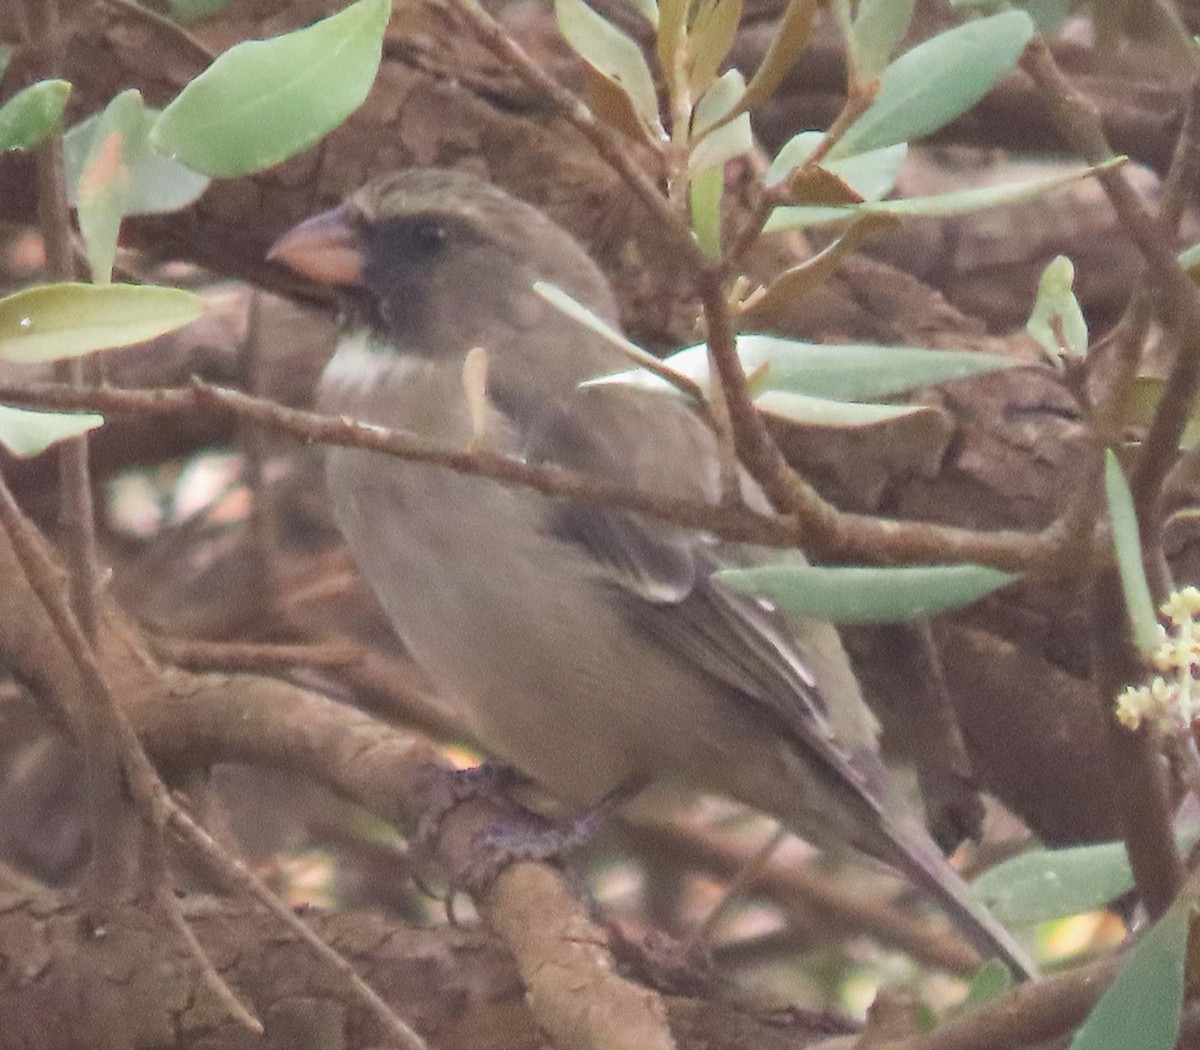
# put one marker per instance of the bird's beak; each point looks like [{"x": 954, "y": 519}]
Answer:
[{"x": 325, "y": 249}]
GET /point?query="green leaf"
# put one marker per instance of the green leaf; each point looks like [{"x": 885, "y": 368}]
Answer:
[
  {"x": 1190, "y": 260},
  {"x": 1050, "y": 884},
  {"x": 265, "y": 100},
  {"x": 672, "y": 18},
  {"x": 27, "y": 117},
  {"x": 990, "y": 982},
  {"x": 857, "y": 594},
  {"x": 51, "y": 322},
  {"x": 157, "y": 184},
  {"x": 789, "y": 40},
  {"x": 871, "y": 175},
  {"x": 704, "y": 202},
  {"x": 792, "y": 154},
  {"x": 1046, "y": 884},
  {"x": 26, "y": 433},
  {"x": 1057, "y": 320},
  {"x": 824, "y": 412},
  {"x": 6, "y": 54},
  {"x": 854, "y": 372},
  {"x": 105, "y": 184},
  {"x": 188, "y": 11},
  {"x": 1141, "y": 1008},
  {"x": 710, "y": 36},
  {"x": 728, "y": 141},
  {"x": 1047, "y": 15},
  {"x": 958, "y": 202},
  {"x": 580, "y": 314},
  {"x": 879, "y": 27},
  {"x": 1127, "y": 541},
  {"x": 612, "y": 54},
  {"x": 938, "y": 81},
  {"x": 718, "y": 102}
]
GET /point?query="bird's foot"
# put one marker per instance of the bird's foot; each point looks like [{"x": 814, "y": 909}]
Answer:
[
  {"x": 523, "y": 835},
  {"x": 475, "y": 829},
  {"x": 444, "y": 790}
]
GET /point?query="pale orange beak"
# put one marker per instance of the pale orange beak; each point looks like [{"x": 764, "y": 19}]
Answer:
[{"x": 325, "y": 249}]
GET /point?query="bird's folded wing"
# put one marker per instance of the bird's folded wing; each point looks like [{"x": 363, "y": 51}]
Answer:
[{"x": 661, "y": 576}]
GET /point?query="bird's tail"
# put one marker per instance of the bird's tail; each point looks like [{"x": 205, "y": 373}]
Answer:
[{"x": 918, "y": 856}]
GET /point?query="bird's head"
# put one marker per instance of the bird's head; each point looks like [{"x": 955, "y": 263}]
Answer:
[{"x": 440, "y": 261}]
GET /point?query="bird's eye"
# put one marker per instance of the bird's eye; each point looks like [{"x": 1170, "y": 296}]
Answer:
[{"x": 429, "y": 237}]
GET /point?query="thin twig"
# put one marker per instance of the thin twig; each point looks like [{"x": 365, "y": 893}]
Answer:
[
  {"x": 1055, "y": 550},
  {"x": 148, "y": 791},
  {"x": 75, "y": 485},
  {"x": 253, "y": 656},
  {"x": 806, "y": 895},
  {"x": 1080, "y": 123},
  {"x": 232, "y": 869},
  {"x": 169, "y": 906},
  {"x": 114, "y": 827},
  {"x": 608, "y": 143},
  {"x": 734, "y": 890},
  {"x": 788, "y": 492},
  {"x": 105, "y": 730},
  {"x": 1141, "y": 793},
  {"x": 1146, "y": 819}
]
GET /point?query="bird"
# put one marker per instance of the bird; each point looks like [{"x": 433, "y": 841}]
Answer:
[{"x": 588, "y": 647}]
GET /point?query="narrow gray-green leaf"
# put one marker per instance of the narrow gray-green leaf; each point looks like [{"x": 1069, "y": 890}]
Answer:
[
  {"x": 1189, "y": 259},
  {"x": 105, "y": 184},
  {"x": 51, "y": 322},
  {"x": 1057, "y": 320},
  {"x": 791, "y": 35},
  {"x": 1046, "y": 884},
  {"x": 718, "y": 102},
  {"x": 188, "y": 11},
  {"x": 825, "y": 412},
  {"x": 158, "y": 184},
  {"x": 871, "y": 175},
  {"x": 27, "y": 117},
  {"x": 1047, "y": 15},
  {"x": 853, "y": 372},
  {"x": 579, "y": 313},
  {"x": 857, "y": 594},
  {"x": 6, "y": 54},
  {"x": 792, "y": 154},
  {"x": 938, "y": 81},
  {"x": 1141, "y": 1008},
  {"x": 992, "y": 980},
  {"x": 957, "y": 202},
  {"x": 710, "y": 36},
  {"x": 704, "y": 203},
  {"x": 265, "y": 100},
  {"x": 879, "y": 27},
  {"x": 1050, "y": 884},
  {"x": 1128, "y": 543},
  {"x": 27, "y": 433},
  {"x": 612, "y": 54},
  {"x": 717, "y": 147}
]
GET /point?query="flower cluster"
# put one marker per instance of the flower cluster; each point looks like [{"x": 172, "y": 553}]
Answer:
[{"x": 1170, "y": 699}]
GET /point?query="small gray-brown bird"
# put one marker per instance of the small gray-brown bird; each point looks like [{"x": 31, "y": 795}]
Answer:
[{"x": 589, "y": 647}]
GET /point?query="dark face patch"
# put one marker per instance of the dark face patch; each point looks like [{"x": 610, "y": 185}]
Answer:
[{"x": 403, "y": 258}]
